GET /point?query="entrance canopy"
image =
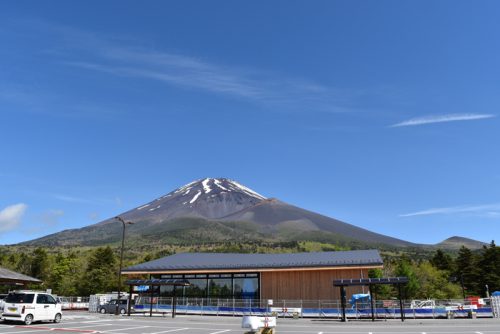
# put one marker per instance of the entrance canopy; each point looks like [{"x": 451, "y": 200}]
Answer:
[
  {"x": 155, "y": 282},
  {"x": 370, "y": 281},
  {"x": 9, "y": 277},
  {"x": 342, "y": 283}
]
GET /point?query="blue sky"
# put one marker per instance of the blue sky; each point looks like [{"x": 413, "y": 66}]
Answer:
[{"x": 384, "y": 114}]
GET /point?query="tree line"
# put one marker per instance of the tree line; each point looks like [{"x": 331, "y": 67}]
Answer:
[
  {"x": 440, "y": 275},
  {"x": 443, "y": 275}
]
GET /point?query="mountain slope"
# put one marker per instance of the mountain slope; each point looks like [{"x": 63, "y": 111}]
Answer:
[
  {"x": 213, "y": 210},
  {"x": 457, "y": 242},
  {"x": 279, "y": 216}
]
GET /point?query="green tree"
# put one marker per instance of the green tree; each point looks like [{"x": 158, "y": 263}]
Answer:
[
  {"x": 381, "y": 291},
  {"x": 405, "y": 269},
  {"x": 467, "y": 270},
  {"x": 40, "y": 264},
  {"x": 101, "y": 272},
  {"x": 65, "y": 274},
  {"x": 489, "y": 264},
  {"x": 442, "y": 261},
  {"x": 434, "y": 283}
]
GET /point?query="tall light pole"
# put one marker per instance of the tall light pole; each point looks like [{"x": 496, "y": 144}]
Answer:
[{"x": 121, "y": 262}]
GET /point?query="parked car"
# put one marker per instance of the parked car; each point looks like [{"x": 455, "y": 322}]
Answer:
[
  {"x": 2, "y": 297},
  {"x": 111, "y": 306},
  {"x": 30, "y": 306}
]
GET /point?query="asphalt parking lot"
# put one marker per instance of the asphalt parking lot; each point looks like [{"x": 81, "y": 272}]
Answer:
[{"x": 82, "y": 322}]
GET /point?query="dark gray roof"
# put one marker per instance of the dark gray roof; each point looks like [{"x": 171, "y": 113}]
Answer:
[
  {"x": 11, "y": 277},
  {"x": 222, "y": 261}
]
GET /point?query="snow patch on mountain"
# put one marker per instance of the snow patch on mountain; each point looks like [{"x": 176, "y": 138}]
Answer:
[
  {"x": 195, "y": 197},
  {"x": 142, "y": 207},
  {"x": 205, "y": 186}
]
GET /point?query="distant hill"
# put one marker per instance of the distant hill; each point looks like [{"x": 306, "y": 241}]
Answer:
[
  {"x": 457, "y": 242},
  {"x": 218, "y": 210}
]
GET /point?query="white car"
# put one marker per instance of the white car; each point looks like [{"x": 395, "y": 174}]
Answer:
[
  {"x": 30, "y": 306},
  {"x": 2, "y": 297}
]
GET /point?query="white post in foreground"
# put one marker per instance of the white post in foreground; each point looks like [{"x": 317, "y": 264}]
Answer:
[{"x": 259, "y": 324}]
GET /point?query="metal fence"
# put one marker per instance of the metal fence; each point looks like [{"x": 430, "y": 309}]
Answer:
[
  {"x": 495, "y": 304},
  {"x": 74, "y": 303},
  {"x": 383, "y": 309}
]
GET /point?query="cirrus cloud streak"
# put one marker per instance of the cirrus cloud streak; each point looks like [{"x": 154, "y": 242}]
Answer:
[
  {"x": 442, "y": 119},
  {"x": 489, "y": 209}
]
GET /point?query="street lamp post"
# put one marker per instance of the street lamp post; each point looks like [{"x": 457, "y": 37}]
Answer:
[{"x": 121, "y": 262}]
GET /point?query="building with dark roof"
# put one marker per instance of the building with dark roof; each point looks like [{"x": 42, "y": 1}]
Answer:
[
  {"x": 299, "y": 276},
  {"x": 9, "y": 277}
]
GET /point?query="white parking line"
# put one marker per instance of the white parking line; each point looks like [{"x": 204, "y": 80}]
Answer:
[
  {"x": 94, "y": 325},
  {"x": 124, "y": 329},
  {"x": 224, "y": 331},
  {"x": 94, "y": 321},
  {"x": 170, "y": 330}
]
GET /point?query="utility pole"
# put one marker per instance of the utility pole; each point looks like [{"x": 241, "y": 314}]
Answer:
[{"x": 117, "y": 311}]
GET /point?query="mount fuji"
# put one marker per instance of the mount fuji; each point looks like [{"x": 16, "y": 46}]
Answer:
[{"x": 215, "y": 210}]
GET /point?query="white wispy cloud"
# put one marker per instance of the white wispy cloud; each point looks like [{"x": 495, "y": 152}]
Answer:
[
  {"x": 125, "y": 57},
  {"x": 442, "y": 119},
  {"x": 10, "y": 217},
  {"x": 487, "y": 209},
  {"x": 71, "y": 199}
]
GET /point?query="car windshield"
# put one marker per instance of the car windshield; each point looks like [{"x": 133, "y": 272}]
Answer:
[{"x": 20, "y": 298}]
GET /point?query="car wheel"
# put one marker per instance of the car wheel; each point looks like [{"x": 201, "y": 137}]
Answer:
[
  {"x": 57, "y": 318},
  {"x": 28, "y": 319},
  {"x": 103, "y": 310},
  {"x": 122, "y": 311}
]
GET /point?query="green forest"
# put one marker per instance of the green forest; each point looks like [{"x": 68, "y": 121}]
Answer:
[{"x": 436, "y": 274}]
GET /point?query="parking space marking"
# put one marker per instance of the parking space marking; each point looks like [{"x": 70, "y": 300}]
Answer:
[
  {"x": 94, "y": 325},
  {"x": 31, "y": 331},
  {"x": 224, "y": 331},
  {"x": 125, "y": 329},
  {"x": 94, "y": 321},
  {"x": 170, "y": 330}
]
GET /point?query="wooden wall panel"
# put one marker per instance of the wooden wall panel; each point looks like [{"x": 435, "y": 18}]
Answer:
[{"x": 308, "y": 285}]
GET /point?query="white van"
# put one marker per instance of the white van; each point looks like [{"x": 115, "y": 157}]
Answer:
[{"x": 29, "y": 306}]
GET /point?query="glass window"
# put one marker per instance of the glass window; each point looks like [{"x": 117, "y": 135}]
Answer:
[
  {"x": 201, "y": 276},
  {"x": 50, "y": 299},
  {"x": 166, "y": 291},
  {"x": 20, "y": 298},
  {"x": 246, "y": 288},
  {"x": 220, "y": 288},
  {"x": 197, "y": 289},
  {"x": 41, "y": 299}
]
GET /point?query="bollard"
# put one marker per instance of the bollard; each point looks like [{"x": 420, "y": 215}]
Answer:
[{"x": 261, "y": 325}]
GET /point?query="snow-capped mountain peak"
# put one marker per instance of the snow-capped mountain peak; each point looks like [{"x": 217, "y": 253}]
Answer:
[
  {"x": 207, "y": 198},
  {"x": 214, "y": 186}
]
